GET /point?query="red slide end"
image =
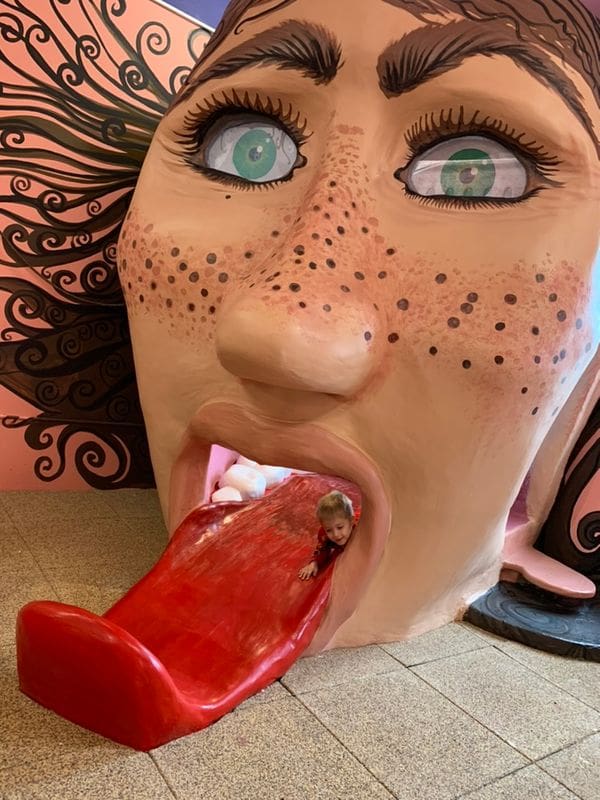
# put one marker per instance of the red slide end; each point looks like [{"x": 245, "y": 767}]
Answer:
[
  {"x": 220, "y": 616},
  {"x": 94, "y": 673}
]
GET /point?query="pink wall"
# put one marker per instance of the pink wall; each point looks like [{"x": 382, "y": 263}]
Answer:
[{"x": 65, "y": 356}]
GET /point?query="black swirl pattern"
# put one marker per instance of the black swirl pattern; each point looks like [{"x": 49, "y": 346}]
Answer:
[
  {"x": 79, "y": 102},
  {"x": 588, "y": 532},
  {"x": 582, "y": 552}
]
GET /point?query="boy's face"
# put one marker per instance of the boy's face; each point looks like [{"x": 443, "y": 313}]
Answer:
[
  {"x": 338, "y": 528},
  {"x": 349, "y": 317}
]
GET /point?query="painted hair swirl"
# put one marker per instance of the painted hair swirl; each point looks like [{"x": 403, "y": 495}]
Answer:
[{"x": 79, "y": 102}]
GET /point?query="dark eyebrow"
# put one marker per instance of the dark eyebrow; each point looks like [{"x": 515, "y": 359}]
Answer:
[
  {"x": 311, "y": 50},
  {"x": 433, "y": 50}
]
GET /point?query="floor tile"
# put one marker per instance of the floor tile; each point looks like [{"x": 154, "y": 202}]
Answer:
[
  {"x": 121, "y": 570},
  {"x": 149, "y": 535},
  {"x": 134, "y": 503},
  {"x": 195, "y": 781},
  {"x": 46, "y": 506},
  {"x": 266, "y": 752},
  {"x": 14, "y": 551},
  {"x": 78, "y": 539},
  {"x": 273, "y": 692},
  {"x": 447, "y": 641},
  {"x": 93, "y": 550},
  {"x": 578, "y": 767},
  {"x": 93, "y": 563},
  {"x": 4, "y": 513},
  {"x": 148, "y": 528},
  {"x": 35, "y": 734},
  {"x": 337, "y": 666},
  {"x": 530, "y": 783},
  {"x": 77, "y": 583},
  {"x": 490, "y": 638},
  {"x": 19, "y": 586},
  {"x": 73, "y": 540},
  {"x": 102, "y": 774},
  {"x": 411, "y": 738},
  {"x": 529, "y": 713},
  {"x": 16, "y": 557},
  {"x": 97, "y": 599},
  {"x": 12, "y": 701},
  {"x": 579, "y": 678}
]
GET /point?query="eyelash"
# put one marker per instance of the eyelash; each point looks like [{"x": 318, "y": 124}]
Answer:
[
  {"x": 436, "y": 128},
  {"x": 198, "y": 122},
  {"x": 431, "y": 129}
]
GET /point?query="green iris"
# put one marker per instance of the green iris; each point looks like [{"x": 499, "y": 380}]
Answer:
[
  {"x": 468, "y": 173},
  {"x": 255, "y": 154}
]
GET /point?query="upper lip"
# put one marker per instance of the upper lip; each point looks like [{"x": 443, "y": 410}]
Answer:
[
  {"x": 299, "y": 445},
  {"x": 304, "y": 445}
]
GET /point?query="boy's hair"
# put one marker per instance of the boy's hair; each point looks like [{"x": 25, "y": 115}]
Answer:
[{"x": 334, "y": 503}]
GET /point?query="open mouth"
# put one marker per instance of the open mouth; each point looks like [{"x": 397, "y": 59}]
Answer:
[
  {"x": 300, "y": 446},
  {"x": 223, "y": 613}
]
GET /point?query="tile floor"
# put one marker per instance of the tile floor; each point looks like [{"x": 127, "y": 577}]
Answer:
[{"x": 454, "y": 714}]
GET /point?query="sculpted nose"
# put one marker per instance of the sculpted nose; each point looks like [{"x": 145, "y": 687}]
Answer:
[
  {"x": 267, "y": 344},
  {"x": 306, "y": 313}
]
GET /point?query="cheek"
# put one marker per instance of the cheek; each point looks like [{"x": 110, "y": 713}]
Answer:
[
  {"x": 519, "y": 333},
  {"x": 180, "y": 286}
]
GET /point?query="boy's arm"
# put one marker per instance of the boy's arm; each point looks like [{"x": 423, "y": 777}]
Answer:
[{"x": 323, "y": 552}]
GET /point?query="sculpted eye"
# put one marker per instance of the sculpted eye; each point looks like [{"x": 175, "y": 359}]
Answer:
[
  {"x": 252, "y": 148},
  {"x": 468, "y": 167}
]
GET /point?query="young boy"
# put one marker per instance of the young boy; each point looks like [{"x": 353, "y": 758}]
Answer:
[{"x": 336, "y": 515}]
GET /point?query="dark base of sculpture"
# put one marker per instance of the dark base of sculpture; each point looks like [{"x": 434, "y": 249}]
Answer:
[{"x": 531, "y": 616}]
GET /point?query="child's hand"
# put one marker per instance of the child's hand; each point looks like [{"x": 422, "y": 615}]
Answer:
[{"x": 309, "y": 571}]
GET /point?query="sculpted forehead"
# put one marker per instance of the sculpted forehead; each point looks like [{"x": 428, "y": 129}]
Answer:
[{"x": 429, "y": 37}]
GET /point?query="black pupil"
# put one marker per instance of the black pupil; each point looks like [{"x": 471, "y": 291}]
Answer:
[{"x": 468, "y": 175}]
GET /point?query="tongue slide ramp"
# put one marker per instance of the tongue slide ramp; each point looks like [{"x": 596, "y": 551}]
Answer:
[{"x": 221, "y": 616}]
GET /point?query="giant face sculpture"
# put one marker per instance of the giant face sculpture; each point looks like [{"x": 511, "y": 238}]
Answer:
[{"x": 366, "y": 244}]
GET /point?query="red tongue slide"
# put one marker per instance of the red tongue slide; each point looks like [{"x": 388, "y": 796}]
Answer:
[{"x": 221, "y": 615}]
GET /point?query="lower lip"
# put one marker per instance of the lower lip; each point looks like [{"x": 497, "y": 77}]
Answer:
[{"x": 296, "y": 445}]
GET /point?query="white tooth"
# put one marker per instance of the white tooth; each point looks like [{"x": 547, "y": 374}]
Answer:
[
  {"x": 247, "y": 462},
  {"x": 274, "y": 475},
  {"x": 225, "y": 494},
  {"x": 249, "y": 482}
]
